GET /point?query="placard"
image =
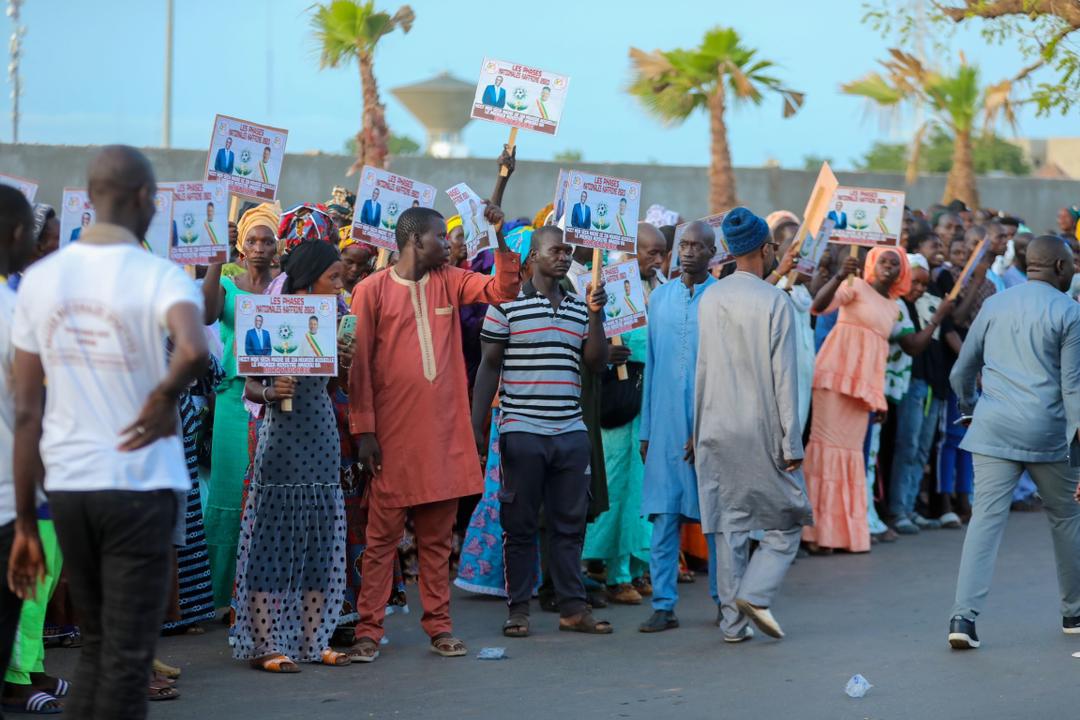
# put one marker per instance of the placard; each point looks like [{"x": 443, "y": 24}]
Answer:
[
  {"x": 559, "y": 204},
  {"x": 625, "y": 309},
  {"x": 286, "y": 335},
  {"x": 812, "y": 249},
  {"x": 865, "y": 216},
  {"x": 246, "y": 156},
  {"x": 602, "y": 212},
  {"x": 479, "y": 235},
  {"x": 26, "y": 187},
  {"x": 716, "y": 222},
  {"x": 200, "y": 228},
  {"x": 519, "y": 96},
  {"x": 76, "y": 214},
  {"x": 380, "y": 200}
]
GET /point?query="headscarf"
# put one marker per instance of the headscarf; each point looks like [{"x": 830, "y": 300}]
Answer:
[
  {"x": 452, "y": 222},
  {"x": 541, "y": 217},
  {"x": 779, "y": 217},
  {"x": 305, "y": 222},
  {"x": 306, "y": 263},
  {"x": 916, "y": 260},
  {"x": 42, "y": 213},
  {"x": 903, "y": 281},
  {"x": 265, "y": 215}
]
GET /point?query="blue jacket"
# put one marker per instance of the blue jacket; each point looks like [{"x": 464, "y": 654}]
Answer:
[
  {"x": 494, "y": 96},
  {"x": 223, "y": 162}
]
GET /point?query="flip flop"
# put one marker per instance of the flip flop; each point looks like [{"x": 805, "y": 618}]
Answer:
[
  {"x": 587, "y": 624},
  {"x": 157, "y": 691},
  {"x": 40, "y": 703},
  {"x": 516, "y": 626},
  {"x": 334, "y": 658},
  {"x": 364, "y": 650},
  {"x": 276, "y": 664},
  {"x": 446, "y": 645},
  {"x": 173, "y": 673}
]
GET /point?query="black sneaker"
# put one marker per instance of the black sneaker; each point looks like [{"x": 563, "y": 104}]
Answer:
[
  {"x": 962, "y": 635},
  {"x": 1070, "y": 625},
  {"x": 661, "y": 620}
]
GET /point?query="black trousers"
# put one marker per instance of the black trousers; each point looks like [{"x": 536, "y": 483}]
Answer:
[
  {"x": 10, "y": 604},
  {"x": 117, "y": 549},
  {"x": 547, "y": 471}
]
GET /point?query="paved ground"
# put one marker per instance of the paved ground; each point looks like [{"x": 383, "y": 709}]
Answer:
[{"x": 883, "y": 615}]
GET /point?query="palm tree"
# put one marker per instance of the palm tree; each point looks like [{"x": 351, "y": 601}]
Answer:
[
  {"x": 957, "y": 105},
  {"x": 348, "y": 29},
  {"x": 672, "y": 84}
]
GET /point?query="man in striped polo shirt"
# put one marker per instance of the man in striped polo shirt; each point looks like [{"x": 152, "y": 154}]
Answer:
[{"x": 537, "y": 343}]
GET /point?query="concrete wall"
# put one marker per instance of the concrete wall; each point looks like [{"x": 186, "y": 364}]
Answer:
[{"x": 682, "y": 188}]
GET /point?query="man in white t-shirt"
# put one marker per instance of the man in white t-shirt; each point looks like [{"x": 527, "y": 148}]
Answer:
[
  {"x": 93, "y": 319},
  {"x": 16, "y": 246}
]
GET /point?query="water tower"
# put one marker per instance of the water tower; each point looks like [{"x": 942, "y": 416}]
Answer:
[{"x": 442, "y": 105}]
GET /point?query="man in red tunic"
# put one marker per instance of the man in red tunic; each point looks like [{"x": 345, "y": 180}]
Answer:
[{"x": 409, "y": 410}]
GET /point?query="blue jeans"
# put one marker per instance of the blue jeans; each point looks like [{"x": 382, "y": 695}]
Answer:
[
  {"x": 916, "y": 422},
  {"x": 955, "y": 471}
]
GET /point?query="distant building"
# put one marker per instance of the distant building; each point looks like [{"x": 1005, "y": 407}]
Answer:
[
  {"x": 1052, "y": 157},
  {"x": 442, "y": 105}
]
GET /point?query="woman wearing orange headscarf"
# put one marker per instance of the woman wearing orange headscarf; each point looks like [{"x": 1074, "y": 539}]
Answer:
[{"x": 849, "y": 384}]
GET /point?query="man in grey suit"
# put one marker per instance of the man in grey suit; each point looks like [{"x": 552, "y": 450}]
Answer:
[{"x": 1025, "y": 344}]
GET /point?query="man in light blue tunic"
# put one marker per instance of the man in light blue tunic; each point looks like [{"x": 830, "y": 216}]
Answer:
[
  {"x": 670, "y": 494},
  {"x": 1024, "y": 347}
]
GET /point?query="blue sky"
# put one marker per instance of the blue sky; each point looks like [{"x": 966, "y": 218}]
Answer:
[{"x": 92, "y": 73}]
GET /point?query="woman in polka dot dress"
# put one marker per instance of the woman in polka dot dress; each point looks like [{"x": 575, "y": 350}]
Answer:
[{"x": 290, "y": 568}]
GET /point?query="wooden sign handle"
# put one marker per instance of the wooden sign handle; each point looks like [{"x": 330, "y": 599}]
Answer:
[
  {"x": 383, "y": 259},
  {"x": 620, "y": 370},
  {"x": 234, "y": 208},
  {"x": 510, "y": 144},
  {"x": 286, "y": 405},
  {"x": 966, "y": 274},
  {"x": 854, "y": 254}
]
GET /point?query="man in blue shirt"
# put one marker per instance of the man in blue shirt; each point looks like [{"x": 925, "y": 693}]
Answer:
[
  {"x": 495, "y": 95},
  {"x": 1025, "y": 346},
  {"x": 257, "y": 340},
  {"x": 223, "y": 161},
  {"x": 581, "y": 215},
  {"x": 371, "y": 212},
  {"x": 669, "y": 488}
]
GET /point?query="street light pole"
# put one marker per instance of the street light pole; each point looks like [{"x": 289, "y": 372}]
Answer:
[
  {"x": 17, "y": 32},
  {"x": 166, "y": 122}
]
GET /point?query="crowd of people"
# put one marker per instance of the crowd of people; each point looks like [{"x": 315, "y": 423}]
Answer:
[{"x": 149, "y": 489}]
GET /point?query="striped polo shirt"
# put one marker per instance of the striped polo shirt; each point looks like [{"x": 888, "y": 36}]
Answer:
[{"x": 541, "y": 372}]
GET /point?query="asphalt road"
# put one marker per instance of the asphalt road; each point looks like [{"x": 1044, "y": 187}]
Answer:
[{"x": 884, "y": 615}]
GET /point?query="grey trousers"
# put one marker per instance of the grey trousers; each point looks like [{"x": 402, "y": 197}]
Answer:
[
  {"x": 995, "y": 480},
  {"x": 753, "y": 579}
]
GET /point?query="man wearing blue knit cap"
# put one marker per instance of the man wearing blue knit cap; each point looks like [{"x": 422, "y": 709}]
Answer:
[{"x": 747, "y": 436}]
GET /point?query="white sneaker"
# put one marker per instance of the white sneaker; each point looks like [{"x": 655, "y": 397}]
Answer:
[
  {"x": 746, "y": 634},
  {"x": 761, "y": 617},
  {"x": 951, "y": 520}
]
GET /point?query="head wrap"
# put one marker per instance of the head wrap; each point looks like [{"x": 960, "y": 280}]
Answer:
[
  {"x": 305, "y": 222},
  {"x": 902, "y": 284},
  {"x": 778, "y": 217},
  {"x": 519, "y": 240},
  {"x": 515, "y": 224},
  {"x": 744, "y": 232},
  {"x": 659, "y": 216},
  {"x": 341, "y": 196},
  {"x": 265, "y": 215},
  {"x": 916, "y": 260},
  {"x": 541, "y": 216},
  {"x": 306, "y": 263},
  {"x": 42, "y": 213},
  {"x": 452, "y": 222}
]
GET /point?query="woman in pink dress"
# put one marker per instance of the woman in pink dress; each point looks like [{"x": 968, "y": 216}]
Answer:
[{"x": 849, "y": 383}]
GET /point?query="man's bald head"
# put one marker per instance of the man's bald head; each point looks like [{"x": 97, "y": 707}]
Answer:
[
  {"x": 121, "y": 186},
  {"x": 1050, "y": 260},
  {"x": 651, "y": 249},
  {"x": 703, "y": 231}
]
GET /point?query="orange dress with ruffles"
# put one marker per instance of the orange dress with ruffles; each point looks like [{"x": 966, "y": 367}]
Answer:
[{"x": 849, "y": 384}]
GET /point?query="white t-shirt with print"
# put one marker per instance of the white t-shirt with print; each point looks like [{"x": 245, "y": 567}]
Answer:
[
  {"x": 7, "y": 407},
  {"x": 96, "y": 314}
]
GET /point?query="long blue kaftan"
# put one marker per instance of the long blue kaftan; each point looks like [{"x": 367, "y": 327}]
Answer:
[{"x": 667, "y": 412}]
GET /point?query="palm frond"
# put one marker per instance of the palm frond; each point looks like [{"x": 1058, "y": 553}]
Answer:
[{"x": 876, "y": 88}]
